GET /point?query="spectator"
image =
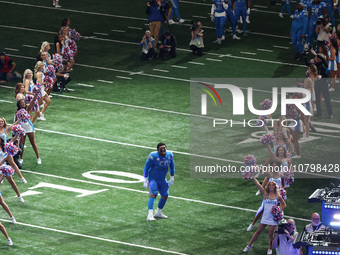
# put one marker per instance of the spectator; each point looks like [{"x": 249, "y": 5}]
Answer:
[
  {"x": 167, "y": 45},
  {"x": 284, "y": 238},
  {"x": 147, "y": 44},
  {"x": 315, "y": 224},
  {"x": 154, "y": 17},
  {"x": 7, "y": 66},
  {"x": 196, "y": 42}
]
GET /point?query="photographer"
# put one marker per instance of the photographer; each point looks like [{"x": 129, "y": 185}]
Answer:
[
  {"x": 196, "y": 43},
  {"x": 323, "y": 29},
  {"x": 284, "y": 238},
  {"x": 167, "y": 45},
  {"x": 147, "y": 44}
]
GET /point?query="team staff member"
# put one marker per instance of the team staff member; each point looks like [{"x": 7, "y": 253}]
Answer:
[{"x": 155, "y": 171}]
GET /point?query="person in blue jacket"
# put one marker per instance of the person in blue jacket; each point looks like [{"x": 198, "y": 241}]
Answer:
[
  {"x": 242, "y": 9},
  {"x": 298, "y": 30},
  {"x": 314, "y": 11},
  {"x": 155, "y": 170}
]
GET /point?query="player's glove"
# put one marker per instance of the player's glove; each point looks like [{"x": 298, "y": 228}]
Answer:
[
  {"x": 212, "y": 17},
  {"x": 146, "y": 183},
  {"x": 248, "y": 11},
  {"x": 172, "y": 180}
]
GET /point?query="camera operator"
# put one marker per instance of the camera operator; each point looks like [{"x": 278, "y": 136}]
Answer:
[
  {"x": 284, "y": 238},
  {"x": 167, "y": 45},
  {"x": 323, "y": 29},
  {"x": 196, "y": 43},
  {"x": 147, "y": 44}
]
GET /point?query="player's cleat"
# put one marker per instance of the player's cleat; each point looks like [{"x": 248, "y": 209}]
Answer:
[
  {"x": 269, "y": 252},
  {"x": 245, "y": 34},
  {"x": 39, "y": 161},
  {"x": 235, "y": 37},
  {"x": 250, "y": 228},
  {"x": 171, "y": 22},
  {"x": 247, "y": 20},
  {"x": 181, "y": 21},
  {"x": 331, "y": 90},
  {"x": 150, "y": 218},
  {"x": 280, "y": 14},
  {"x": 216, "y": 41},
  {"x": 160, "y": 215},
  {"x": 13, "y": 220},
  {"x": 21, "y": 199},
  {"x": 247, "y": 248},
  {"x": 223, "y": 38},
  {"x": 57, "y": 6},
  {"x": 9, "y": 241},
  {"x": 23, "y": 180}
]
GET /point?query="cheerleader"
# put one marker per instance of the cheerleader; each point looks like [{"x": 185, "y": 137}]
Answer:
[
  {"x": 4, "y": 129},
  {"x": 312, "y": 73},
  {"x": 29, "y": 86},
  {"x": 3, "y": 230},
  {"x": 29, "y": 128},
  {"x": 6, "y": 157},
  {"x": 337, "y": 59},
  {"x": 332, "y": 65},
  {"x": 66, "y": 22},
  {"x": 272, "y": 175},
  {"x": 45, "y": 99},
  {"x": 309, "y": 85},
  {"x": 271, "y": 198},
  {"x": 45, "y": 47},
  {"x": 64, "y": 31},
  {"x": 19, "y": 91}
]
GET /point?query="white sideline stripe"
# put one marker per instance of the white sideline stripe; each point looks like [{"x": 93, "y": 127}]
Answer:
[
  {"x": 11, "y": 49},
  {"x": 123, "y": 77},
  {"x": 248, "y": 53},
  {"x": 160, "y": 70},
  {"x": 260, "y": 6},
  {"x": 95, "y": 238},
  {"x": 6, "y": 101},
  {"x": 71, "y": 90},
  {"x": 134, "y": 43},
  {"x": 126, "y": 17},
  {"x": 97, "y": 33},
  {"x": 136, "y": 28},
  {"x": 29, "y": 46},
  {"x": 85, "y": 85},
  {"x": 333, "y": 136},
  {"x": 119, "y": 31},
  {"x": 183, "y": 67},
  {"x": 281, "y": 47},
  {"x": 200, "y": 17},
  {"x": 196, "y": 63},
  {"x": 146, "y": 192},
  {"x": 326, "y": 124},
  {"x": 135, "y": 145},
  {"x": 76, "y": 11},
  {"x": 105, "y": 81},
  {"x": 212, "y": 59},
  {"x": 265, "y": 50}
]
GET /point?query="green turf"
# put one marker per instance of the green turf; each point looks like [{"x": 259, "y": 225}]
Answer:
[{"x": 193, "y": 227}]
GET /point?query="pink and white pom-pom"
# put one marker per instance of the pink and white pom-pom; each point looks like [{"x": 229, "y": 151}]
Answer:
[
  {"x": 267, "y": 138},
  {"x": 249, "y": 160},
  {"x": 283, "y": 193},
  {"x": 50, "y": 71},
  {"x": 18, "y": 130},
  {"x": 11, "y": 149},
  {"x": 288, "y": 177},
  {"x": 68, "y": 54},
  {"x": 23, "y": 115},
  {"x": 48, "y": 82},
  {"x": 262, "y": 120},
  {"x": 277, "y": 213},
  {"x": 6, "y": 170},
  {"x": 249, "y": 172},
  {"x": 37, "y": 90},
  {"x": 28, "y": 100},
  {"x": 266, "y": 104}
]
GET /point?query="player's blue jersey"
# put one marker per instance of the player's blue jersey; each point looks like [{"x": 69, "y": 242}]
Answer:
[
  {"x": 241, "y": 3},
  {"x": 316, "y": 10},
  {"x": 307, "y": 3},
  {"x": 329, "y": 3},
  {"x": 300, "y": 22},
  {"x": 157, "y": 166},
  {"x": 219, "y": 6}
]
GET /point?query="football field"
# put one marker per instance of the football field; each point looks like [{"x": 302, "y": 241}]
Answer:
[{"x": 87, "y": 196}]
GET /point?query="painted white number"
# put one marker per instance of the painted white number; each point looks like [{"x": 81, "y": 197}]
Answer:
[
  {"x": 83, "y": 192},
  {"x": 92, "y": 175}
]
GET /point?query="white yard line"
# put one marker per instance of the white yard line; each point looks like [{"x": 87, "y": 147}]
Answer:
[
  {"x": 160, "y": 70},
  {"x": 181, "y": 67},
  {"x": 248, "y": 53},
  {"x": 105, "y": 81},
  {"x": 281, "y": 47},
  {"x": 265, "y": 50},
  {"x": 196, "y": 63},
  {"x": 85, "y": 85},
  {"x": 136, "y": 28},
  {"x": 95, "y": 237},
  {"x": 97, "y": 33},
  {"x": 5, "y": 101},
  {"x": 213, "y": 59},
  {"x": 30, "y": 46},
  {"x": 123, "y": 77},
  {"x": 11, "y": 49}
]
